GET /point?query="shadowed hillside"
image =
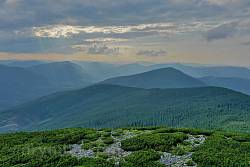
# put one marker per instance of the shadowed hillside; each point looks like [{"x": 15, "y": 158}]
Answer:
[
  {"x": 63, "y": 74},
  {"x": 19, "y": 85},
  {"x": 237, "y": 84}
]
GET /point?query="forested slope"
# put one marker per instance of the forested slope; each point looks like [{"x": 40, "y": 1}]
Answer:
[{"x": 116, "y": 106}]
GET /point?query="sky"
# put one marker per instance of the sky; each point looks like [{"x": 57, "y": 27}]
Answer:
[{"x": 156, "y": 31}]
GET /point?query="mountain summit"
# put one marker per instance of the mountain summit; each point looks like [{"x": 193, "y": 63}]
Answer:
[{"x": 160, "y": 78}]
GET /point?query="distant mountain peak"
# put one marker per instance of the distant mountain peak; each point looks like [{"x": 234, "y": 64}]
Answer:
[{"x": 159, "y": 78}]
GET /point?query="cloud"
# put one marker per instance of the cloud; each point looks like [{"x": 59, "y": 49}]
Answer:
[
  {"x": 152, "y": 53},
  {"x": 96, "y": 49},
  {"x": 105, "y": 40},
  {"x": 246, "y": 43},
  {"x": 36, "y": 13},
  {"x": 38, "y": 25},
  {"x": 12, "y": 3},
  {"x": 103, "y": 50},
  {"x": 222, "y": 31},
  {"x": 65, "y": 31},
  {"x": 228, "y": 2}
]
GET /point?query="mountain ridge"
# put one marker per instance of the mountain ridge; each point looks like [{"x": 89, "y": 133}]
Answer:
[
  {"x": 105, "y": 105},
  {"x": 159, "y": 78},
  {"x": 19, "y": 84},
  {"x": 237, "y": 84}
]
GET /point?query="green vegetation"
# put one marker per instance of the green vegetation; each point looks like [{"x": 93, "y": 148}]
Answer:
[
  {"x": 45, "y": 149},
  {"x": 159, "y": 142},
  {"x": 181, "y": 149},
  {"x": 109, "y": 106},
  {"x": 143, "y": 147},
  {"x": 146, "y": 158},
  {"x": 108, "y": 140},
  {"x": 219, "y": 150},
  {"x": 97, "y": 141}
]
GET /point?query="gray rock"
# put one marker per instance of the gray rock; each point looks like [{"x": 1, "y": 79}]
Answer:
[
  {"x": 171, "y": 160},
  {"x": 77, "y": 151},
  {"x": 116, "y": 150}
]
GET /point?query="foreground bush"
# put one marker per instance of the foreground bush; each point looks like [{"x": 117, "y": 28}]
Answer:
[
  {"x": 146, "y": 158},
  {"x": 218, "y": 150},
  {"x": 50, "y": 148},
  {"x": 159, "y": 142}
]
